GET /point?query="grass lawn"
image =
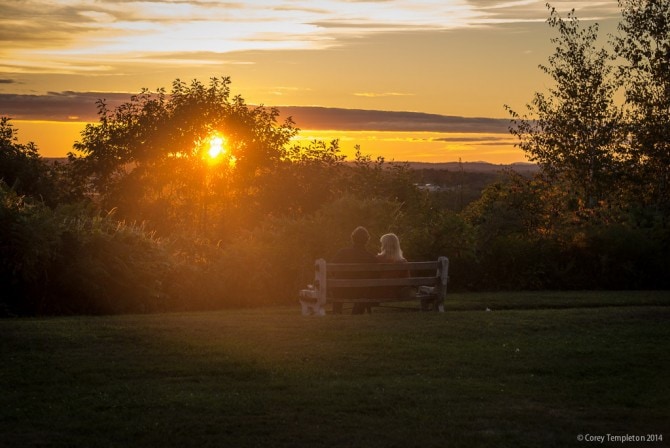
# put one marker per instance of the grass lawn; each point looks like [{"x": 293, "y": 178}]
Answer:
[{"x": 538, "y": 370}]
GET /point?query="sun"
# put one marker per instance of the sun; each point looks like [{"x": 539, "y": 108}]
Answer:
[
  {"x": 216, "y": 150},
  {"x": 216, "y": 145}
]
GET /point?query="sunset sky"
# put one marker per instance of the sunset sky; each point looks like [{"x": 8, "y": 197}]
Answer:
[{"x": 413, "y": 80}]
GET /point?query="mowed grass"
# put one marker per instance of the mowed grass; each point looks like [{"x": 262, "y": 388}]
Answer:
[{"x": 537, "y": 370}]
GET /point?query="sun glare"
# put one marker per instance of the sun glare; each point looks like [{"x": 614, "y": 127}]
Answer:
[
  {"x": 216, "y": 146},
  {"x": 215, "y": 150}
]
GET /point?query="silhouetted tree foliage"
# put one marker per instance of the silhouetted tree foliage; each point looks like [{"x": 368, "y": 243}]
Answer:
[
  {"x": 148, "y": 157},
  {"x": 574, "y": 131},
  {"x": 24, "y": 171},
  {"x": 603, "y": 165},
  {"x": 21, "y": 166},
  {"x": 606, "y": 154},
  {"x": 643, "y": 43}
]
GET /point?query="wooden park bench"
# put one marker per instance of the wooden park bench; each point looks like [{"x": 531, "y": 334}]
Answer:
[{"x": 427, "y": 279}]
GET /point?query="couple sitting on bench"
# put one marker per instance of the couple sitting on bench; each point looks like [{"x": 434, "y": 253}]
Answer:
[{"x": 390, "y": 252}]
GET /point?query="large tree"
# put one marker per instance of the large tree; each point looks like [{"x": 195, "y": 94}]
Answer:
[
  {"x": 643, "y": 44},
  {"x": 574, "y": 131},
  {"x": 178, "y": 159}
]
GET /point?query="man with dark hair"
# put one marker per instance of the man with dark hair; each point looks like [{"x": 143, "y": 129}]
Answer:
[{"x": 356, "y": 253}]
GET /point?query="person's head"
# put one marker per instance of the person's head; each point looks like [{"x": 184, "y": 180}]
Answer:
[
  {"x": 391, "y": 247},
  {"x": 360, "y": 236}
]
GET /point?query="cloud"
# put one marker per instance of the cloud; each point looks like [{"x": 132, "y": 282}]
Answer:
[
  {"x": 48, "y": 32},
  {"x": 58, "y": 106},
  {"x": 62, "y": 106},
  {"x": 482, "y": 140},
  {"x": 322, "y": 118}
]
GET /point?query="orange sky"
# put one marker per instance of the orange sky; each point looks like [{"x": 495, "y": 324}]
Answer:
[
  {"x": 450, "y": 58},
  {"x": 55, "y": 138}
]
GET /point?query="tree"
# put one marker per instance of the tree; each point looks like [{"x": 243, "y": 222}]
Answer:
[
  {"x": 643, "y": 43},
  {"x": 149, "y": 157},
  {"x": 574, "y": 132},
  {"x": 21, "y": 166},
  {"x": 310, "y": 176}
]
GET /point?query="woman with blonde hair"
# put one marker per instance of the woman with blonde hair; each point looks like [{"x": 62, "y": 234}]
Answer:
[{"x": 391, "y": 252}]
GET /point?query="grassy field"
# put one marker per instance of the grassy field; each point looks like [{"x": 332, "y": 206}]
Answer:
[{"x": 538, "y": 370}]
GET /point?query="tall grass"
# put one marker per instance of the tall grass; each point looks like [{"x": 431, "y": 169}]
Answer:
[{"x": 538, "y": 373}]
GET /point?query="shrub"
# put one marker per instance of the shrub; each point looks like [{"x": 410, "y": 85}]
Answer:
[
  {"x": 69, "y": 260},
  {"x": 106, "y": 267},
  {"x": 28, "y": 247},
  {"x": 267, "y": 265}
]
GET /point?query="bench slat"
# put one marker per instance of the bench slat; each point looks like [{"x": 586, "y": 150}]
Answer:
[
  {"x": 384, "y": 299},
  {"x": 374, "y": 267},
  {"x": 365, "y": 282}
]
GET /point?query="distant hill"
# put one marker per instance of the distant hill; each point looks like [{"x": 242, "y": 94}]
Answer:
[
  {"x": 53, "y": 160},
  {"x": 470, "y": 167},
  {"x": 476, "y": 167}
]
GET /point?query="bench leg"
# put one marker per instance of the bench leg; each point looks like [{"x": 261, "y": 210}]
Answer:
[
  {"x": 363, "y": 307},
  {"x": 309, "y": 308},
  {"x": 306, "y": 308},
  {"x": 432, "y": 305}
]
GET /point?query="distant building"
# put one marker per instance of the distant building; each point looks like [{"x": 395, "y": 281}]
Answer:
[{"x": 429, "y": 187}]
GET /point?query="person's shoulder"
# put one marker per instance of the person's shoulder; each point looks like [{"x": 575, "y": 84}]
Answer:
[
  {"x": 363, "y": 256},
  {"x": 343, "y": 255},
  {"x": 369, "y": 256},
  {"x": 343, "y": 250}
]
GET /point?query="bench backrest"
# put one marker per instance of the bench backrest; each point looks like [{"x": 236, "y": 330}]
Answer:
[{"x": 421, "y": 273}]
